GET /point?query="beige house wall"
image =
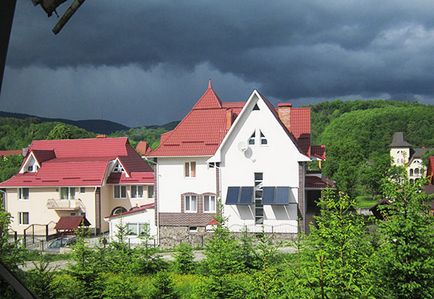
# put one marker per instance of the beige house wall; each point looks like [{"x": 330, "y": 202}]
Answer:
[{"x": 39, "y": 213}]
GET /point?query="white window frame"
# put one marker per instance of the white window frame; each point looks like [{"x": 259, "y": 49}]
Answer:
[
  {"x": 120, "y": 191},
  {"x": 135, "y": 191},
  {"x": 189, "y": 198},
  {"x": 118, "y": 168},
  {"x": 190, "y": 169},
  {"x": 21, "y": 194},
  {"x": 213, "y": 208},
  {"x": 21, "y": 218},
  {"x": 68, "y": 193}
]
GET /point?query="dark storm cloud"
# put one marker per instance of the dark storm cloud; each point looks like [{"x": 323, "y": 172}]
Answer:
[{"x": 296, "y": 49}]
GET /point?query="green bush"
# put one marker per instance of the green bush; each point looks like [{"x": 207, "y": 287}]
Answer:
[{"x": 184, "y": 259}]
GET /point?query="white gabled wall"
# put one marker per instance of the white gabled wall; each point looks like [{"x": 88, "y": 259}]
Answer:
[
  {"x": 172, "y": 181},
  {"x": 278, "y": 161}
]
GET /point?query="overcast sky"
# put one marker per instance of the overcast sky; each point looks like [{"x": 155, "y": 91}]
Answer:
[{"x": 142, "y": 62}]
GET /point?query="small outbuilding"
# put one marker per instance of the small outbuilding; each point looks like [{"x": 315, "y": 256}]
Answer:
[{"x": 139, "y": 223}]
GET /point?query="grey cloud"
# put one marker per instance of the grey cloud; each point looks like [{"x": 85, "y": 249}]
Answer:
[{"x": 290, "y": 49}]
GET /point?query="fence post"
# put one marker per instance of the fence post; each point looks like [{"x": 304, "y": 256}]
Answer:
[
  {"x": 46, "y": 232},
  {"x": 16, "y": 237},
  {"x": 25, "y": 238},
  {"x": 33, "y": 233}
]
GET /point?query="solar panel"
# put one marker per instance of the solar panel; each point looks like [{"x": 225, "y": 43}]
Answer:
[
  {"x": 268, "y": 195},
  {"x": 281, "y": 196},
  {"x": 246, "y": 197},
  {"x": 232, "y": 195}
]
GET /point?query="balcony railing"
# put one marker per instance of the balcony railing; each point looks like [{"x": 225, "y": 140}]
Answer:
[{"x": 65, "y": 204}]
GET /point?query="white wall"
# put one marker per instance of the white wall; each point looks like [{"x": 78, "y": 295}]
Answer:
[
  {"x": 147, "y": 216},
  {"x": 172, "y": 181},
  {"x": 400, "y": 154},
  {"x": 278, "y": 161}
]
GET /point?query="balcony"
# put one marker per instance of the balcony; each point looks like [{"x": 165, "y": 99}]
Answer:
[{"x": 65, "y": 204}]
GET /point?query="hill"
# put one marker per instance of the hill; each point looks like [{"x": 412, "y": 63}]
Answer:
[
  {"x": 357, "y": 141},
  {"x": 92, "y": 125}
]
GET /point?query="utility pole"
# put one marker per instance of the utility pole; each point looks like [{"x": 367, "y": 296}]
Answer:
[{"x": 7, "y": 10}]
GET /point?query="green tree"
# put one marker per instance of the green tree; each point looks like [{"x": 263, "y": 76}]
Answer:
[
  {"x": 11, "y": 255},
  {"x": 164, "y": 287},
  {"x": 405, "y": 256},
  {"x": 60, "y": 131},
  {"x": 184, "y": 259},
  {"x": 338, "y": 251},
  {"x": 40, "y": 279}
]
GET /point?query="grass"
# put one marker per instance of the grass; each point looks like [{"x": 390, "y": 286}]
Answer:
[
  {"x": 32, "y": 255},
  {"x": 365, "y": 202}
]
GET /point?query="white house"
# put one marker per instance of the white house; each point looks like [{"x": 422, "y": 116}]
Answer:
[
  {"x": 403, "y": 154},
  {"x": 139, "y": 223},
  {"x": 250, "y": 155}
]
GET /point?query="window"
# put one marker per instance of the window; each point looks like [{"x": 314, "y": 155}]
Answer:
[
  {"x": 190, "y": 169},
  {"x": 209, "y": 203},
  {"x": 263, "y": 139},
  {"x": 118, "y": 168},
  {"x": 23, "y": 193},
  {"x": 190, "y": 203},
  {"x": 118, "y": 210},
  {"x": 150, "y": 191},
  {"x": 30, "y": 168},
  {"x": 120, "y": 191},
  {"x": 67, "y": 193},
  {"x": 82, "y": 190},
  {"x": 144, "y": 229},
  {"x": 252, "y": 138},
  {"x": 259, "y": 207},
  {"x": 132, "y": 229},
  {"x": 416, "y": 171},
  {"x": 136, "y": 191},
  {"x": 255, "y": 107},
  {"x": 23, "y": 217},
  {"x": 411, "y": 172}
]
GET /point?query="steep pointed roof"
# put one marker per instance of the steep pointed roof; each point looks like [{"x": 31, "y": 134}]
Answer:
[
  {"x": 209, "y": 100},
  {"x": 399, "y": 141}
]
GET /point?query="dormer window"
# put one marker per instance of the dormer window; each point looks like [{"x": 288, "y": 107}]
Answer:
[
  {"x": 263, "y": 139},
  {"x": 30, "y": 168},
  {"x": 252, "y": 138},
  {"x": 118, "y": 168},
  {"x": 255, "y": 107}
]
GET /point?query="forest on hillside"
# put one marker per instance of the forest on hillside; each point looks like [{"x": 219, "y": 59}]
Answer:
[{"x": 356, "y": 134}]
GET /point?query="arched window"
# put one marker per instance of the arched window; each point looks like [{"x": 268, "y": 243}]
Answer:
[
  {"x": 411, "y": 181},
  {"x": 118, "y": 210},
  {"x": 416, "y": 171},
  {"x": 411, "y": 172},
  {"x": 421, "y": 171}
]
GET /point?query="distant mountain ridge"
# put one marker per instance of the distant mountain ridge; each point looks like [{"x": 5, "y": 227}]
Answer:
[{"x": 93, "y": 125}]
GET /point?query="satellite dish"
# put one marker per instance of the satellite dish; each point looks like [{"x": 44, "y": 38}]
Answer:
[{"x": 242, "y": 146}]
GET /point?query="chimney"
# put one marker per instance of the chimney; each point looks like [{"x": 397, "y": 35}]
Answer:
[
  {"x": 284, "y": 112},
  {"x": 228, "y": 119}
]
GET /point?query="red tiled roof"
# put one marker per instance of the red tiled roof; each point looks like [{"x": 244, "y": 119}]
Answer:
[
  {"x": 142, "y": 148},
  {"x": 134, "y": 210},
  {"x": 79, "y": 166},
  {"x": 6, "y": 153},
  {"x": 318, "y": 151},
  {"x": 317, "y": 182},
  {"x": 205, "y": 126},
  {"x": 43, "y": 155},
  {"x": 70, "y": 223}
]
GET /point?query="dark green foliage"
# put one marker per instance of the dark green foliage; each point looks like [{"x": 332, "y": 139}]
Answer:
[
  {"x": 120, "y": 286},
  {"x": 11, "y": 255},
  {"x": 19, "y": 133},
  {"x": 405, "y": 258},
  {"x": 164, "y": 288},
  {"x": 150, "y": 135},
  {"x": 9, "y": 166},
  {"x": 40, "y": 279},
  {"x": 184, "y": 259},
  {"x": 357, "y": 143}
]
